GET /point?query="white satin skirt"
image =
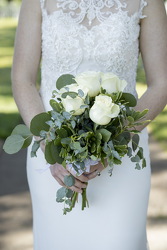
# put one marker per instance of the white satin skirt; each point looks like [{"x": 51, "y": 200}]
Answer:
[{"x": 115, "y": 220}]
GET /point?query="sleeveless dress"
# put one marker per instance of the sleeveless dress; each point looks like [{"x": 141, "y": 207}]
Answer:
[{"x": 77, "y": 36}]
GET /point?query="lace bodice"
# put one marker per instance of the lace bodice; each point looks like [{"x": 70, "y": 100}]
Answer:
[{"x": 98, "y": 35}]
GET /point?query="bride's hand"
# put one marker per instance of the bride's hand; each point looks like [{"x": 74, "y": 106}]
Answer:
[
  {"x": 95, "y": 171},
  {"x": 59, "y": 172}
]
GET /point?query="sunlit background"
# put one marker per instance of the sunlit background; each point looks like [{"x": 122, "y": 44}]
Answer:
[{"x": 15, "y": 206}]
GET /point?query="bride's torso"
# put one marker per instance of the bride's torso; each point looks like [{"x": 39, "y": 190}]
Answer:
[{"x": 82, "y": 35}]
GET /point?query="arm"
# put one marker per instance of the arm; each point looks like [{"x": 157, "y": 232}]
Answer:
[
  {"x": 24, "y": 73},
  {"x": 26, "y": 61},
  {"x": 153, "y": 46}
]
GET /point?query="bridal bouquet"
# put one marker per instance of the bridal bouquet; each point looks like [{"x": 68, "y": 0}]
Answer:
[{"x": 91, "y": 120}]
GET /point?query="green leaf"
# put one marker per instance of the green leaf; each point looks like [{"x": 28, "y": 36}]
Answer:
[
  {"x": 66, "y": 115},
  {"x": 69, "y": 93},
  {"x": 124, "y": 138},
  {"x": 69, "y": 194},
  {"x": 127, "y": 97},
  {"x": 137, "y": 166},
  {"x": 80, "y": 93},
  {"x": 144, "y": 112},
  {"x": 84, "y": 106},
  {"x": 130, "y": 119},
  {"x": 68, "y": 202},
  {"x": 55, "y": 105},
  {"x": 105, "y": 134},
  {"x": 69, "y": 180},
  {"x": 73, "y": 124},
  {"x": 135, "y": 141},
  {"x": 140, "y": 153},
  {"x": 24, "y": 131},
  {"x": 135, "y": 159},
  {"x": 64, "y": 80},
  {"x": 144, "y": 163},
  {"x": 62, "y": 133},
  {"x": 38, "y": 123},
  {"x": 13, "y": 144},
  {"x": 129, "y": 153},
  {"x": 116, "y": 155},
  {"x": 52, "y": 153},
  {"x": 34, "y": 149},
  {"x": 66, "y": 140},
  {"x": 61, "y": 193}
]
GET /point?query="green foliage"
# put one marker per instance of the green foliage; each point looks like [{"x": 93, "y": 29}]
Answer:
[
  {"x": 52, "y": 153},
  {"x": 130, "y": 99},
  {"x": 38, "y": 123},
  {"x": 69, "y": 180},
  {"x": 21, "y": 137},
  {"x": 64, "y": 80}
]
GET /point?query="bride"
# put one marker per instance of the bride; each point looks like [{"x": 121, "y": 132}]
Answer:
[{"x": 72, "y": 36}]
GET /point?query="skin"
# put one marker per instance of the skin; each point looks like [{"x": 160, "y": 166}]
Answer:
[{"x": 153, "y": 47}]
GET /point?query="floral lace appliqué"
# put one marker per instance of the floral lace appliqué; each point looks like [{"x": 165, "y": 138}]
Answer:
[
  {"x": 91, "y": 9},
  {"x": 70, "y": 47}
]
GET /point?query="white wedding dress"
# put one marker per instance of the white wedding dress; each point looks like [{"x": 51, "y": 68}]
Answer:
[{"x": 77, "y": 36}]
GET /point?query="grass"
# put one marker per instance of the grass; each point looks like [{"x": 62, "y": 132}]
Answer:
[{"x": 9, "y": 116}]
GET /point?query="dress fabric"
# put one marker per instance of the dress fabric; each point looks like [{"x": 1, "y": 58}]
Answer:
[{"x": 78, "y": 36}]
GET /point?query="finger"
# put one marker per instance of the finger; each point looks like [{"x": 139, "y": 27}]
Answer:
[
  {"x": 78, "y": 184},
  {"x": 93, "y": 174},
  {"x": 81, "y": 178}
]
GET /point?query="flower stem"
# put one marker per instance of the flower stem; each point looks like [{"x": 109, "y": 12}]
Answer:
[
  {"x": 84, "y": 199},
  {"x": 74, "y": 199}
]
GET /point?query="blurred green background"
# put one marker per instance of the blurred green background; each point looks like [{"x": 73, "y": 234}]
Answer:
[{"x": 9, "y": 116}]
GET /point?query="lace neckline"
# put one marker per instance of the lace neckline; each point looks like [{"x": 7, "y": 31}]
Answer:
[{"x": 90, "y": 9}]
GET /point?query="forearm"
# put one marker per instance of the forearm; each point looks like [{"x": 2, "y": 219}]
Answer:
[
  {"x": 154, "y": 99},
  {"x": 27, "y": 99}
]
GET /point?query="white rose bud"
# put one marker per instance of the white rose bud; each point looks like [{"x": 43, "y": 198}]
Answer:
[
  {"x": 90, "y": 80},
  {"x": 70, "y": 103},
  {"x": 111, "y": 83},
  {"x": 103, "y": 110}
]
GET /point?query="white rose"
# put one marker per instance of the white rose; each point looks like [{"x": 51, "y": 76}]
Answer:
[
  {"x": 90, "y": 80},
  {"x": 70, "y": 103},
  {"x": 111, "y": 83},
  {"x": 103, "y": 110}
]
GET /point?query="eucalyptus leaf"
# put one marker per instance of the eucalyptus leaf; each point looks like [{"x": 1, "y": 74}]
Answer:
[
  {"x": 62, "y": 133},
  {"x": 73, "y": 124},
  {"x": 130, "y": 99},
  {"x": 70, "y": 93},
  {"x": 135, "y": 141},
  {"x": 24, "y": 131},
  {"x": 66, "y": 115},
  {"x": 105, "y": 134},
  {"x": 52, "y": 153},
  {"x": 116, "y": 155},
  {"x": 80, "y": 93},
  {"x": 64, "y": 80},
  {"x": 137, "y": 166},
  {"x": 68, "y": 202},
  {"x": 13, "y": 144},
  {"x": 66, "y": 140},
  {"x": 38, "y": 123},
  {"x": 69, "y": 194},
  {"x": 135, "y": 159},
  {"x": 55, "y": 105},
  {"x": 129, "y": 153},
  {"x": 34, "y": 149},
  {"x": 144, "y": 163},
  {"x": 61, "y": 193},
  {"x": 140, "y": 153},
  {"x": 69, "y": 180}
]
